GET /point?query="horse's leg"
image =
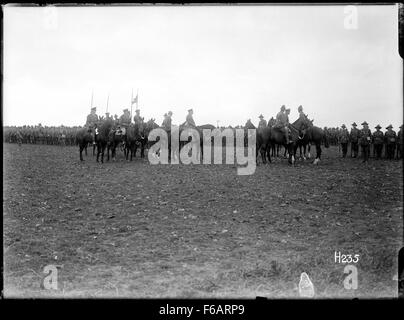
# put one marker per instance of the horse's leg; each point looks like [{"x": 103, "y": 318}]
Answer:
[
  {"x": 102, "y": 153},
  {"x": 81, "y": 147},
  {"x": 318, "y": 153},
  {"x": 98, "y": 151}
]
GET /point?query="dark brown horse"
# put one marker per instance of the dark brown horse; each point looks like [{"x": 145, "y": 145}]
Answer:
[
  {"x": 134, "y": 135},
  {"x": 269, "y": 136},
  {"x": 308, "y": 133},
  {"x": 102, "y": 138},
  {"x": 83, "y": 137}
]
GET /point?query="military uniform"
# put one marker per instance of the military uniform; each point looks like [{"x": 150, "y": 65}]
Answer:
[
  {"x": 354, "y": 138},
  {"x": 365, "y": 140},
  {"x": 282, "y": 122},
  {"x": 137, "y": 118},
  {"x": 262, "y": 123},
  {"x": 271, "y": 122},
  {"x": 92, "y": 119},
  {"x": 189, "y": 121},
  {"x": 378, "y": 139},
  {"x": 91, "y": 123},
  {"x": 400, "y": 143},
  {"x": 344, "y": 139},
  {"x": 390, "y": 137},
  {"x": 124, "y": 121},
  {"x": 167, "y": 121}
]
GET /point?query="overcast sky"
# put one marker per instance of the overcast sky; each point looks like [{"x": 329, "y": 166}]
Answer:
[{"x": 229, "y": 63}]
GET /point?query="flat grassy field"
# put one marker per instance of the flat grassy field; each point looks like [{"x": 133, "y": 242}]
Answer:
[{"x": 132, "y": 229}]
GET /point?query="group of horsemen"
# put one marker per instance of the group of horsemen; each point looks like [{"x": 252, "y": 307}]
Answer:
[
  {"x": 363, "y": 137},
  {"x": 121, "y": 124}
]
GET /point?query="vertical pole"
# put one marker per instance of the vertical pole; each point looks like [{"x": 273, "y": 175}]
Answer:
[
  {"x": 92, "y": 95},
  {"x": 137, "y": 99},
  {"x": 131, "y": 104}
]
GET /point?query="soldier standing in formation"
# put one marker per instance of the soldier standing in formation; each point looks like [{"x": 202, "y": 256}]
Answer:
[
  {"x": 400, "y": 143},
  {"x": 353, "y": 137},
  {"x": 378, "y": 139},
  {"x": 390, "y": 137},
  {"x": 365, "y": 139},
  {"x": 263, "y": 122},
  {"x": 344, "y": 139}
]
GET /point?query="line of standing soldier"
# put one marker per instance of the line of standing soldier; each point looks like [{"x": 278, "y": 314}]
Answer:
[{"x": 364, "y": 138}]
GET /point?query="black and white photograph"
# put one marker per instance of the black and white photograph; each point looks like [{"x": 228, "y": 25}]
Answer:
[{"x": 225, "y": 151}]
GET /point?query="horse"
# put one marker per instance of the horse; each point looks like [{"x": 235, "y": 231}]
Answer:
[
  {"x": 270, "y": 136},
  {"x": 308, "y": 133},
  {"x": 83, "y": 138},
  {"x": 102, "y": 138},
  {"x": 114, "y": 140},
  {"x": 134, "y": 134},
  {"x": 199, "y": 129}
]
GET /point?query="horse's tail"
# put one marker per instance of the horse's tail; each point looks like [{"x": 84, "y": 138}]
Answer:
[{"x": 326, "y": 142}]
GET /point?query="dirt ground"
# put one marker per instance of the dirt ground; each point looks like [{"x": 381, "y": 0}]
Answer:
[{"x": 137, "y": 230}]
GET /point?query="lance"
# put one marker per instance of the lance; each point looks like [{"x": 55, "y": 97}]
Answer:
[
  {"x": 107, "y": 102},
  {"x": 131, "y": 104},
  {"x": 137, "y": 99},
  {"x": 92, "y": 95}
]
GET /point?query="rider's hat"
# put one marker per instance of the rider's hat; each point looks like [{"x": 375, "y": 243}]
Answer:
[
  {"x": 283, "y": 108},
  {"x": 261, "y": 116},
  {"x": 93, "y": 108},
  {"x": 189, "y": 110},
  {"x": 300, "y": 108},
  {"x": 137, "y": 110},
  {"x": 288, "y": 109},
  {"x": 364, "y": 123},
  {"x": 126, "y": 110},
  {"x": 343, "y": 126},
  {"x": 354, "y": 124},
  {"x": 378, "y": 127},
  {"x": 389, "y": 126}
]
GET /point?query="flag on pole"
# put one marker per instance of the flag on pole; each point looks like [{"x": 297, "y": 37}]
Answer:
[{"x": 134, "y": 100}]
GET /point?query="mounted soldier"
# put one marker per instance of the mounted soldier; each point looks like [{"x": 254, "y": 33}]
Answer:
[
  {"x": 263, "y": 122},
  {"x": 282, "y": 123},
  {"x": 137, "y": 118},
  {"x": 167, "y": 121},
  {"x": 92, "y": 122},
  {"x": 124, "y": 122},
  {"x": 271, "y": 122},
  {"x": 189, "y": 121}
]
